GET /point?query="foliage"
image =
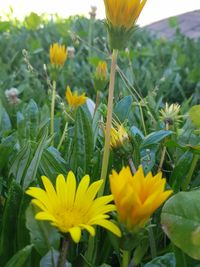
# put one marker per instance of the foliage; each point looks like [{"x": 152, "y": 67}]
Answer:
[{"x": 151, "y": 72}]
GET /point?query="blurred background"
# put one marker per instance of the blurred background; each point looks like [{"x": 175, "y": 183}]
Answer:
[{"x": 154, "y": 10}]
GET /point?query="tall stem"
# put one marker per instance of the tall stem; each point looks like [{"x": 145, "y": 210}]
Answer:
[
  {"x": 108, "y": 121},
  {"x": 63, "y": 252},
  {"x": 188, "y": 178},
  {"x": 125, "y": 258},
  {"x": 132, "y": 165},
  {"x": 163, "y": 151},
  {"x": 52, "y": 109},
  {"x": 63, "y": 136}
]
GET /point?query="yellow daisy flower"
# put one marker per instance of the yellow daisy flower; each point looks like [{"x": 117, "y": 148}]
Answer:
[
  {"x": 118, "y": 136},
  {"x": 70, "y": 208},
  {"x": 121, "y": 17},
  {"x": 137, "y": 196},
  {"x": 123, "y": 13},
  {"x": 73, "y": 99},
  {"x": 57, "y": 54},
  {"x": 101, "y": 70}
]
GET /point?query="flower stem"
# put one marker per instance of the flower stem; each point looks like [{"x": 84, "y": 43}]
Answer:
[
  {"x": 63, "y": 136},
  {"x": 108, "y": 121},
  {"x": 63, "y": 252},
  {"x": 132, "y": 165},
  {"x": 125, "y": 258},
  {"x": 152, "y": 243},
  {"x": 52, "y": 109},
  {"x": 163, "y": 152},
  {"x": 188, "y": 178}
]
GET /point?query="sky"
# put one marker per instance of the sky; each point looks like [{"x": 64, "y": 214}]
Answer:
[{"x": 154, "y": 10}]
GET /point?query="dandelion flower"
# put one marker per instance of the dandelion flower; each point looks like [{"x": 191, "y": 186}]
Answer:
[
  {"x": 73, "y": 99},
  {"x": 70, "y": 208},
  {"x": 136, "y": 196},
  {"x": 57, "y": 54}
]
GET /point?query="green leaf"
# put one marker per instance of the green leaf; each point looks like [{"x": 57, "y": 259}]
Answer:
[
  {"x": 50, "y": 259},
  {"x": 43, "y": 235},
  {"x": 20, "y": 258},
  {"x": 5, "y": 123},
  {"x": 167, "y": 260},
  {"x": 82, "y": 142},
  {"x": 154, "y": 138},
  {"x": 20, "y": 163},
  {"x": 9, "y": 226},
  {"x": 33, "y": 167},
  {"x": 180, "y": 219},
  {"x": 33, "y": 21},
  {"x": 180, "y": 171},
  {"x": 122, "y": 108},
  {"x": 194, "y": 115}
]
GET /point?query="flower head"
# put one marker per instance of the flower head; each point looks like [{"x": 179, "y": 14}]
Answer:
[
  {"x": 121, "y": 16},
  {"x": 57, "y": 54},
  {"x": 12, "y": 96},
  {"x": 123, "y": 13},
  {"x": 73, "y": 99},
  {"x": 70, "y": 208},
  {"x": 101, "y": 70},
  {"x": 170, "y": 114},
  {"x": 118, "y": 136},
  {"x": 137, "y": 196}
]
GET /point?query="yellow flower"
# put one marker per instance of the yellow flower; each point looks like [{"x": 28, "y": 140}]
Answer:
[
  {"x": 101, "y": 70},
  {"x": 118, "y": 136},
  {"x": 121, "y": 17},
  {"x": 137, "y": 196},
  {"x": 57, "y": 54},
  {"x": 75, "y": 100},
  {"x": 70, "y": 208},
  {"x": 123, "y": 13}
]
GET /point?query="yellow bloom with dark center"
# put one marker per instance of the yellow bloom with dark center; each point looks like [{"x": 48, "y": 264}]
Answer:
[
  {"x": 101, "y": 70},
  {"x": 137, "y": 196},
  {"x": 57, "y": 54},
  {"x": 118, "y": 135},
  {"x": 123, "y": 13},
  {"x": 70, "y": 208},
  {"x": 73, "y": 99}
]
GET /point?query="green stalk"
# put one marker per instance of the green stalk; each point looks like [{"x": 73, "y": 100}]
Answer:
[
  {"x": 125, "y": 258},
  {"x": 152, "y": 243},
  {"x": 106, "y": 153},
  {"x": 63, "y": 136},
  {"x": 163, "y": 151},
  {"x": 53, "y": 109},
  {"x": 188, "y": 178}
]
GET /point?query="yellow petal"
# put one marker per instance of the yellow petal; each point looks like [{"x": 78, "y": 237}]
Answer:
[
  {"x": 75, "y": 233},
  {"x": 109, "y": 226},
  {"x": 71, "y": 189}
]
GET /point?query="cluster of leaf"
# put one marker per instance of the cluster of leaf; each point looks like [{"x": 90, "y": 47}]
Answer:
[{"x": 151, "y": 72}]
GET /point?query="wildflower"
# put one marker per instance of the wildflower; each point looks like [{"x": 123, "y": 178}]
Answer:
[
  {"x": 12, "y": 96},
  {"x": 137, "y": 196},
  {"x": 70, "y": 208},
  {"x": 70, "y": 51},
  {"x": 121, "y": 16},
  {"x": 170, "y": 114},
  {"x": 75, "y": 100},
  {"x": 58, "y": 54},
  {"x": 101, "y": 70},
  {"x": 118, "y": 136}
]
